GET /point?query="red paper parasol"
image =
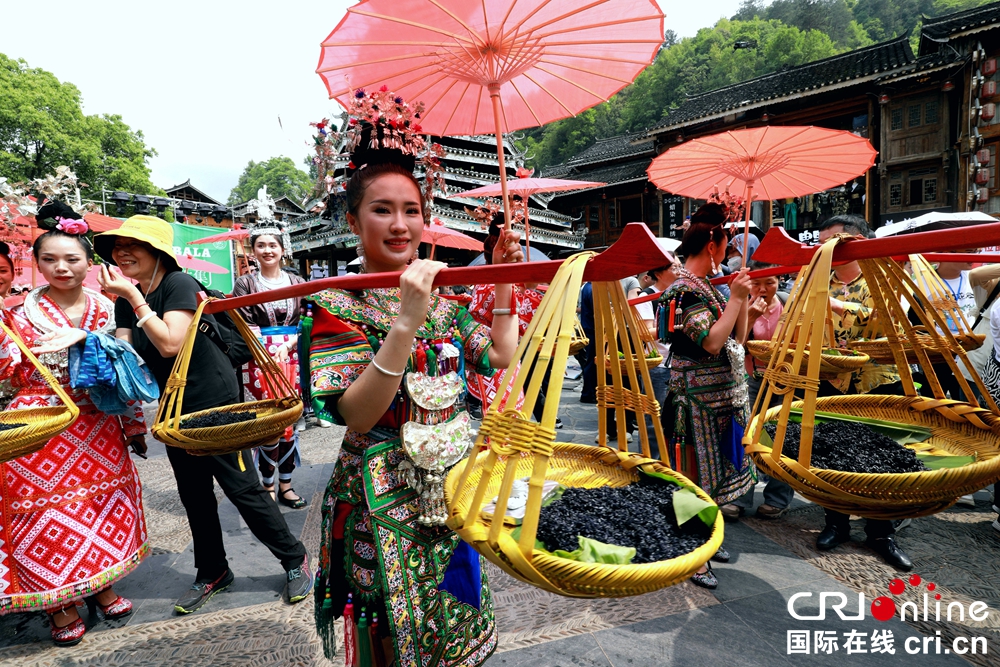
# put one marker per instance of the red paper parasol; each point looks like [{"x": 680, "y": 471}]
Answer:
[
  {"x": 771, "y": 162},
  {"x": 492, "y": 66},
  {"x": 524, "y": 187},
  {"x": 437, "y": 234}
]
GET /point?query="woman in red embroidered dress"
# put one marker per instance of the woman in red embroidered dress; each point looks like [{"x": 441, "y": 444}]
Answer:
[{"x": 71, "y": 514}]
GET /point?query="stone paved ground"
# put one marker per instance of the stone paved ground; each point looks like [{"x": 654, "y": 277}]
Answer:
[{"x": 744, "y": 622}]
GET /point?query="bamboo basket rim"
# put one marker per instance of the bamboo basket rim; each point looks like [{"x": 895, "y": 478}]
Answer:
[{"x": 762, "y": 350}]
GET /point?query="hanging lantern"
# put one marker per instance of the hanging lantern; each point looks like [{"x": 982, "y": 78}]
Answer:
[
  {"x": 989, "y": 111},
  {"x": 982, "y": 177},
  {"x": 989, "y": 89},
  {"x": 989, "y": 67},
  {"x": 983, "y": 155},
  {"x": 983, "y": 195}
]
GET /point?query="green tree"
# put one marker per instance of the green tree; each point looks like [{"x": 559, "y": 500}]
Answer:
[
  {"x": 279, "y": 174},
  {"x": 42, "y": 126}
]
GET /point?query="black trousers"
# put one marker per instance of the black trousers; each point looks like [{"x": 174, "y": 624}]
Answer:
[
  {"x": 875, "y": 529},
  {"x": 238, "y": 479}
]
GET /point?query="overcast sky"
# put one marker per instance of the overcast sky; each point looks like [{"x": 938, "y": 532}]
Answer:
[{"x": 207, "y": 81}]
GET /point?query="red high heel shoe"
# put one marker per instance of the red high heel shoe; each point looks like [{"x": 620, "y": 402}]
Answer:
[{"x": 68, "y": 635}]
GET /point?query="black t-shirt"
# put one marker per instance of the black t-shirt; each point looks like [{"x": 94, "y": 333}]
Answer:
[{"x": 211, "y": 379}]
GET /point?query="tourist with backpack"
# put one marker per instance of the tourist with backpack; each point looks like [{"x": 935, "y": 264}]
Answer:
[{"x": 154, "y": 316}]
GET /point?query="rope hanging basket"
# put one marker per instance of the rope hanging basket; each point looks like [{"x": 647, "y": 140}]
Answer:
[
  {"x": 955, "y": 428},
  {"x": 510, "y": 447},
  {"x": 273, "y": 415},
  {"x": 38, "y": 424}
]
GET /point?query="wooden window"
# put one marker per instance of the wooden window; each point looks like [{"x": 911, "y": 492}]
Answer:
[
  {"x": 630, "y": 209},
  {"x": 931, "y": 113},
  {"x": 594, "y": 217},
  {"x": 896, "y": 194},
  {"x": 897, "y": 119},
  {"x": 612, "y": 214},
  {"x": 913, "y": 115},
  {"x": 930, "y": 190}
]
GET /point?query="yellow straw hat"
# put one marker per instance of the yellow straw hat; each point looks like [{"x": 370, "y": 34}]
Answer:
[{"x": 146, "y": 228}]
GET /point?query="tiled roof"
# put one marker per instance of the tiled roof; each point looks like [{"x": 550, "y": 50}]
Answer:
[
  {"x": 924, "y": 63},
  {"x": 621, "y": 172},
  {"x": 970, "y": 20},
  {"x": 612, "y": 148},
  {"x": 839, "y": 71}
]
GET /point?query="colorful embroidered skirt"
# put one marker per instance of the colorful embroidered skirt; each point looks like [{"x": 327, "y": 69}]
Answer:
[
  {"x": 701, "y": 422},
  {"x": 433, "y": 586},
  {"x": 71, "y": 517}
]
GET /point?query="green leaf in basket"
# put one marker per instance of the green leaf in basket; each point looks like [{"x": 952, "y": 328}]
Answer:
[
  {"x": 904, "y": 434},
  {"x": 592, "y": 551},
  {"x": 687, "y": 505},
  {"x": 660, "y": 475},
  {"x": 937, "y": 462}
]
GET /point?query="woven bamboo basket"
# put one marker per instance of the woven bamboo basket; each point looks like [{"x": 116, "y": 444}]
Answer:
[
  {"x": 957, "y": 427},
  {"x": 933, "y": 295},
  {"x": 41, "y": 424},
  {"x": 881, "y": 349},
  {"x": 510, "y": 446},
  {"x": 830, "y": 364},
  {"x": 274, "y": 415},
  {"x": 579, "y": 339}
]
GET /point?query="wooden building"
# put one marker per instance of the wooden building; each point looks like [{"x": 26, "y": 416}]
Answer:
[{"x": 931, "y": 116}]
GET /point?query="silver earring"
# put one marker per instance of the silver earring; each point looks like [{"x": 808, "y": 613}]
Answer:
[{"x": 715, "y": 267}]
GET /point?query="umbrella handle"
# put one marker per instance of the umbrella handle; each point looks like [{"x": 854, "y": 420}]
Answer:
[
  {"x": 497, "y": 113},
  {"x": 746, "y": 223}
]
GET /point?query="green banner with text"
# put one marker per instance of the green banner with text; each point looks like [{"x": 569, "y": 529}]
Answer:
[{"x": 211, "y": 263}]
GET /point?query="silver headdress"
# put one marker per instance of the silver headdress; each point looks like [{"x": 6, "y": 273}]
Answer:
[{"x": 266, "y": 223}]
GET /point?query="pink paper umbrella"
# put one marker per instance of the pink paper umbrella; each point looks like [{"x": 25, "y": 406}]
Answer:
[
  {"x": 524, "y": 187},
  {"x": 188, "y": 262},
  {"x": 437, "y": 234},
  {"x": 772, "y": 162},
  {"x": 231, "y": 235},
  {"x": 492, "y": 66}
]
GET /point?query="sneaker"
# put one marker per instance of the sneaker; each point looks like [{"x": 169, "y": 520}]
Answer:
[
  {"x": 324, "y": 423},
  {"x": 968, "y": 501},
  {"x": 900, "y": 524},
  {"x": 559, "y": 423},
  {"x": 300, "y": 582},
  {"x": 731, "y": 512},
  {"x": 202, "y": 591}
]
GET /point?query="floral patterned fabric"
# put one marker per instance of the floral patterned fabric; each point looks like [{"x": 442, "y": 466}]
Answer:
[
  {"x": 858, "y": 309},
  {"x": 372, "y": 544}
]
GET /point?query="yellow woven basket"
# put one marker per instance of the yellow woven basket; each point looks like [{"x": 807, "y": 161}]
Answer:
[
  {"x": 579, "y": 339},
  {"x": 881, "y": 349},
  {"x": 587, "y": 467},
  {"x": 954, "y": 426},
  {"x": 830, "y": 364},
  {"x": 41, "y": 424},
  {"x": 273, "y": 415},
  {"x": 510, "y": 446},
  {"x": 957, "y": 427}
]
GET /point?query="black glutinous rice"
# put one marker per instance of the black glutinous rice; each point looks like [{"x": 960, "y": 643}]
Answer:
[
  {"x": 8, "y": 427},
  {"x": 218, "y": 419},
  {"x": 639, "y": 515},
  {"x": 850, "y": 447}
]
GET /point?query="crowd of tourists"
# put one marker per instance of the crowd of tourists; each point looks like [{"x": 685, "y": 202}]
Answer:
[{"x": 72, "y": 514}]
